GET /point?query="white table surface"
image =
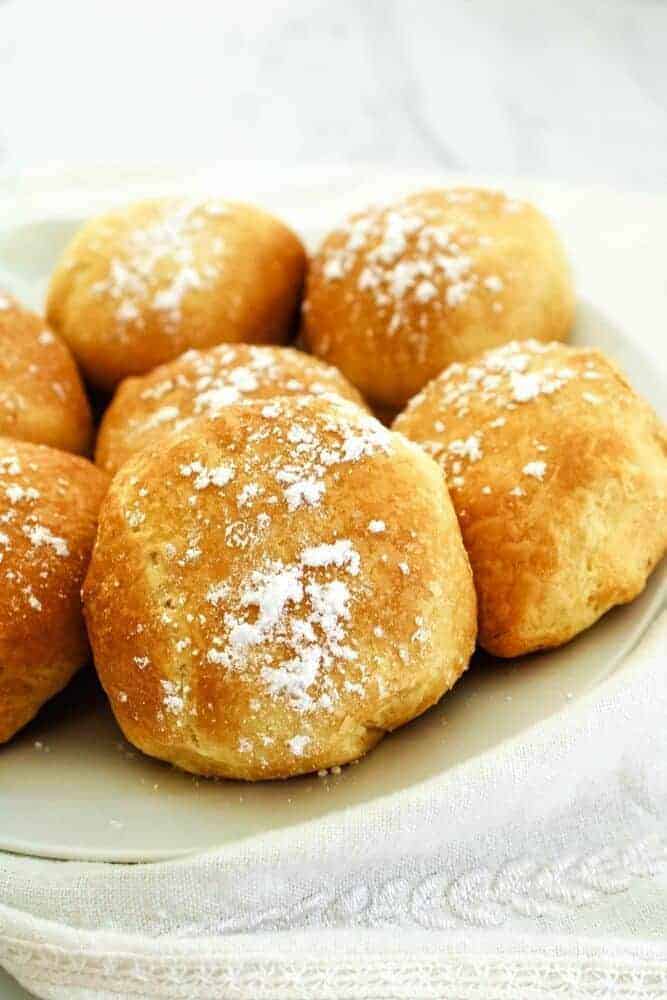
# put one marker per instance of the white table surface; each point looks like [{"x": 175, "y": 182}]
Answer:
[{"x": 575, "y": 92}]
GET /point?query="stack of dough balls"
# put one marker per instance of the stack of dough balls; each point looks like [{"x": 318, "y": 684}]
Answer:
[
  {"x": 558, "y": 472},
  {"x": 202, "y": 384},
  {"x": 401, "y": 291},
  {"x": 278, "y": 579},
  {"x": 139, "y": 286},
  {"x": 276, "y": 588},
  {"x": 41, "y": 396},
  {"x": 48, "y": 511}
]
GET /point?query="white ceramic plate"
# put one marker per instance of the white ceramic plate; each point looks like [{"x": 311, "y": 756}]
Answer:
[{"x": 71, "y": 787}]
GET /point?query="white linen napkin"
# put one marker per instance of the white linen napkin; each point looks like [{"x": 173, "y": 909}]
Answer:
[{"x": 535, "y": 870}]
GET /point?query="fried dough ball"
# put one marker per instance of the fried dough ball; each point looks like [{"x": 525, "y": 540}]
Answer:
[
  {"x": 558, "y": 473},
  {"x": 139, "y": 286},
  {"x": 401, "y": 291},
  {"x": 48, "y": 514},
  {"x": 275, "y": 589}
]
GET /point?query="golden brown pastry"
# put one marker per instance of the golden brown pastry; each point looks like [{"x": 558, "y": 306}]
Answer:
[
  {"x": 139, "y": 286},
  {"x": 41, "y": 395},
  {"x": 401, "y": 291},
  {"x": 202, "y": 384},
  {"x": 48, "y": 512},
  {"x": 558, "y": 473},
  {"x": 275, "y": 589}
]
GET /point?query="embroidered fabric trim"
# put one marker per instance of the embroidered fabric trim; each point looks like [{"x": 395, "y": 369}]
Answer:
[{"x": 480, "y": 977}]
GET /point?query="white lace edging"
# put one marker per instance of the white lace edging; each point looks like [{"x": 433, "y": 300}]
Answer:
[{"x": 510, "y": 976}]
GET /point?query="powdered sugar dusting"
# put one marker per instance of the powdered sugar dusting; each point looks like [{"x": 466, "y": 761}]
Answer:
[
  {"x": 24, "y": 533},
  {"x": 206, "y": 383},
  {"x": 39, "y": 367},
  {"x": 295, "y": 620},
  {"x": 503, "y": 380},
  {"x": 159, "y": 264},
  {"x": 419, "y": 255},
  {"x": 301, "y": 466}
]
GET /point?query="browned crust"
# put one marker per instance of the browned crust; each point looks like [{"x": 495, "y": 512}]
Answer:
[
  {"x": 42, "y": 399},
  {"x": 42, "y": 634}
]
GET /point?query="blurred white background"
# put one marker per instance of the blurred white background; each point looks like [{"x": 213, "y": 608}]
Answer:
[{"x": 572, "y": 91}]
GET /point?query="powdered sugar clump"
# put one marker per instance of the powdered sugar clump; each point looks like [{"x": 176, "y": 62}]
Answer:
[
  {"x": 298, "y": 744},
  {"x": 468, "y": 448},
  {"x": 341, "y": 553},
  {"x": 15, "y": 493},
  {"x": 303, "y": 492},
  {"x": 535, "y": 469},
  {"x": 294, "y": 621},
  {"x": 174, "y": 699},
  {"x": 204, "y": 476},
  {"x": 41, "y": 535}
]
